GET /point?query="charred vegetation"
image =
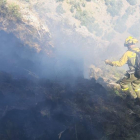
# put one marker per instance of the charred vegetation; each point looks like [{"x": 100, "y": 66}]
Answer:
[
  {"x": 46, "y": 109},
  {"x": 35, "y": 106}
]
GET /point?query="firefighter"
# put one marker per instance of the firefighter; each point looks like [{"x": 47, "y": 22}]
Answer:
[{"x": 130, "y": 83}]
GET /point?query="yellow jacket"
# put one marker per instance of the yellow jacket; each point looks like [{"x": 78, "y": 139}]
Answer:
[{"x": 129, "y": 57}]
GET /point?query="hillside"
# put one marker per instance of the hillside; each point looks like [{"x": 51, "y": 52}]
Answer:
[
  {"x": 47, "y": 49},
  {"x": 104, "y": 21},
  {"x": 94, "y": 30},
  {"x": 43, "y": 109}
]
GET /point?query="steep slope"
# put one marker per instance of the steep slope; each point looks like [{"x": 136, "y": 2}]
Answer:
[
  {"x": 100, "y": 26},
  {"x": 43, "y": 109},
  {"x": 100, "y": 19},
  {"x": 93, "y": 29},
  {"x": 19, "y": 19},
  {"x": 103, "y": 21},
  {"x": 47, "y": 98}
]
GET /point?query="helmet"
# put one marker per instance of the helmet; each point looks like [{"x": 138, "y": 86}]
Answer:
[{"x": 130, "y": 41}]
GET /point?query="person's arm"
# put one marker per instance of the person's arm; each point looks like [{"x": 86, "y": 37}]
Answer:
[{"x": 119, "y": 63}]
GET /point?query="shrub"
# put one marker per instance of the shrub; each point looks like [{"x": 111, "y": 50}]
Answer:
[
  {"x": 94, "y": 27},
  {"x": 135, "y": 30},
  {"x": 88, "y": 22},
  {"x": 113, "y": 11},
  {"x": 109, "y": 36},
  {"x": 130, "y": 10},
  {"x": 72, "y": 9},
  {"x": 124, "y": 18},
  {"x": 81, "y": 15},
  {"x": 3, "y": 3},
  {"x": 3, "y": 7},
  {"x": 10, "y": 11},
  {"x": 121, "y": 28},
  {"x": 27, "y": 0},
  {"x": 59, "y": 0},
  {"x": 14, "y": 11},
  {"x": 114, "y": 7},
  {"x": 83, "y": 4},
  {"x": 132, "y": 2},
  {"x": 84, "y": 17},
  {"x": 99, "y": 32},
  {"x": 60, "y": 9},
  {"x": 76, "y": 5},
  {"x": 120, "y": 25}
]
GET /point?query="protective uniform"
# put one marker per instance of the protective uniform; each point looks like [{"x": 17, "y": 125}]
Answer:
[{"x": 129, "y": 82}]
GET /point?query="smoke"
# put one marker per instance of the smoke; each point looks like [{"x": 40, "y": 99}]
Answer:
[
  {"x": 21, "y": 60},
  {"x": 73, "y": 52}
]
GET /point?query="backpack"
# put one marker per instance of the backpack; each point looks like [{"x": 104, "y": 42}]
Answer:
[{"x": 137, "y": 64}]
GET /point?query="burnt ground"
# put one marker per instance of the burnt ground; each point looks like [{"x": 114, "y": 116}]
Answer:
[
  {"x": 65, "y": 107},
  {"x": 42, "y": 109}
]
